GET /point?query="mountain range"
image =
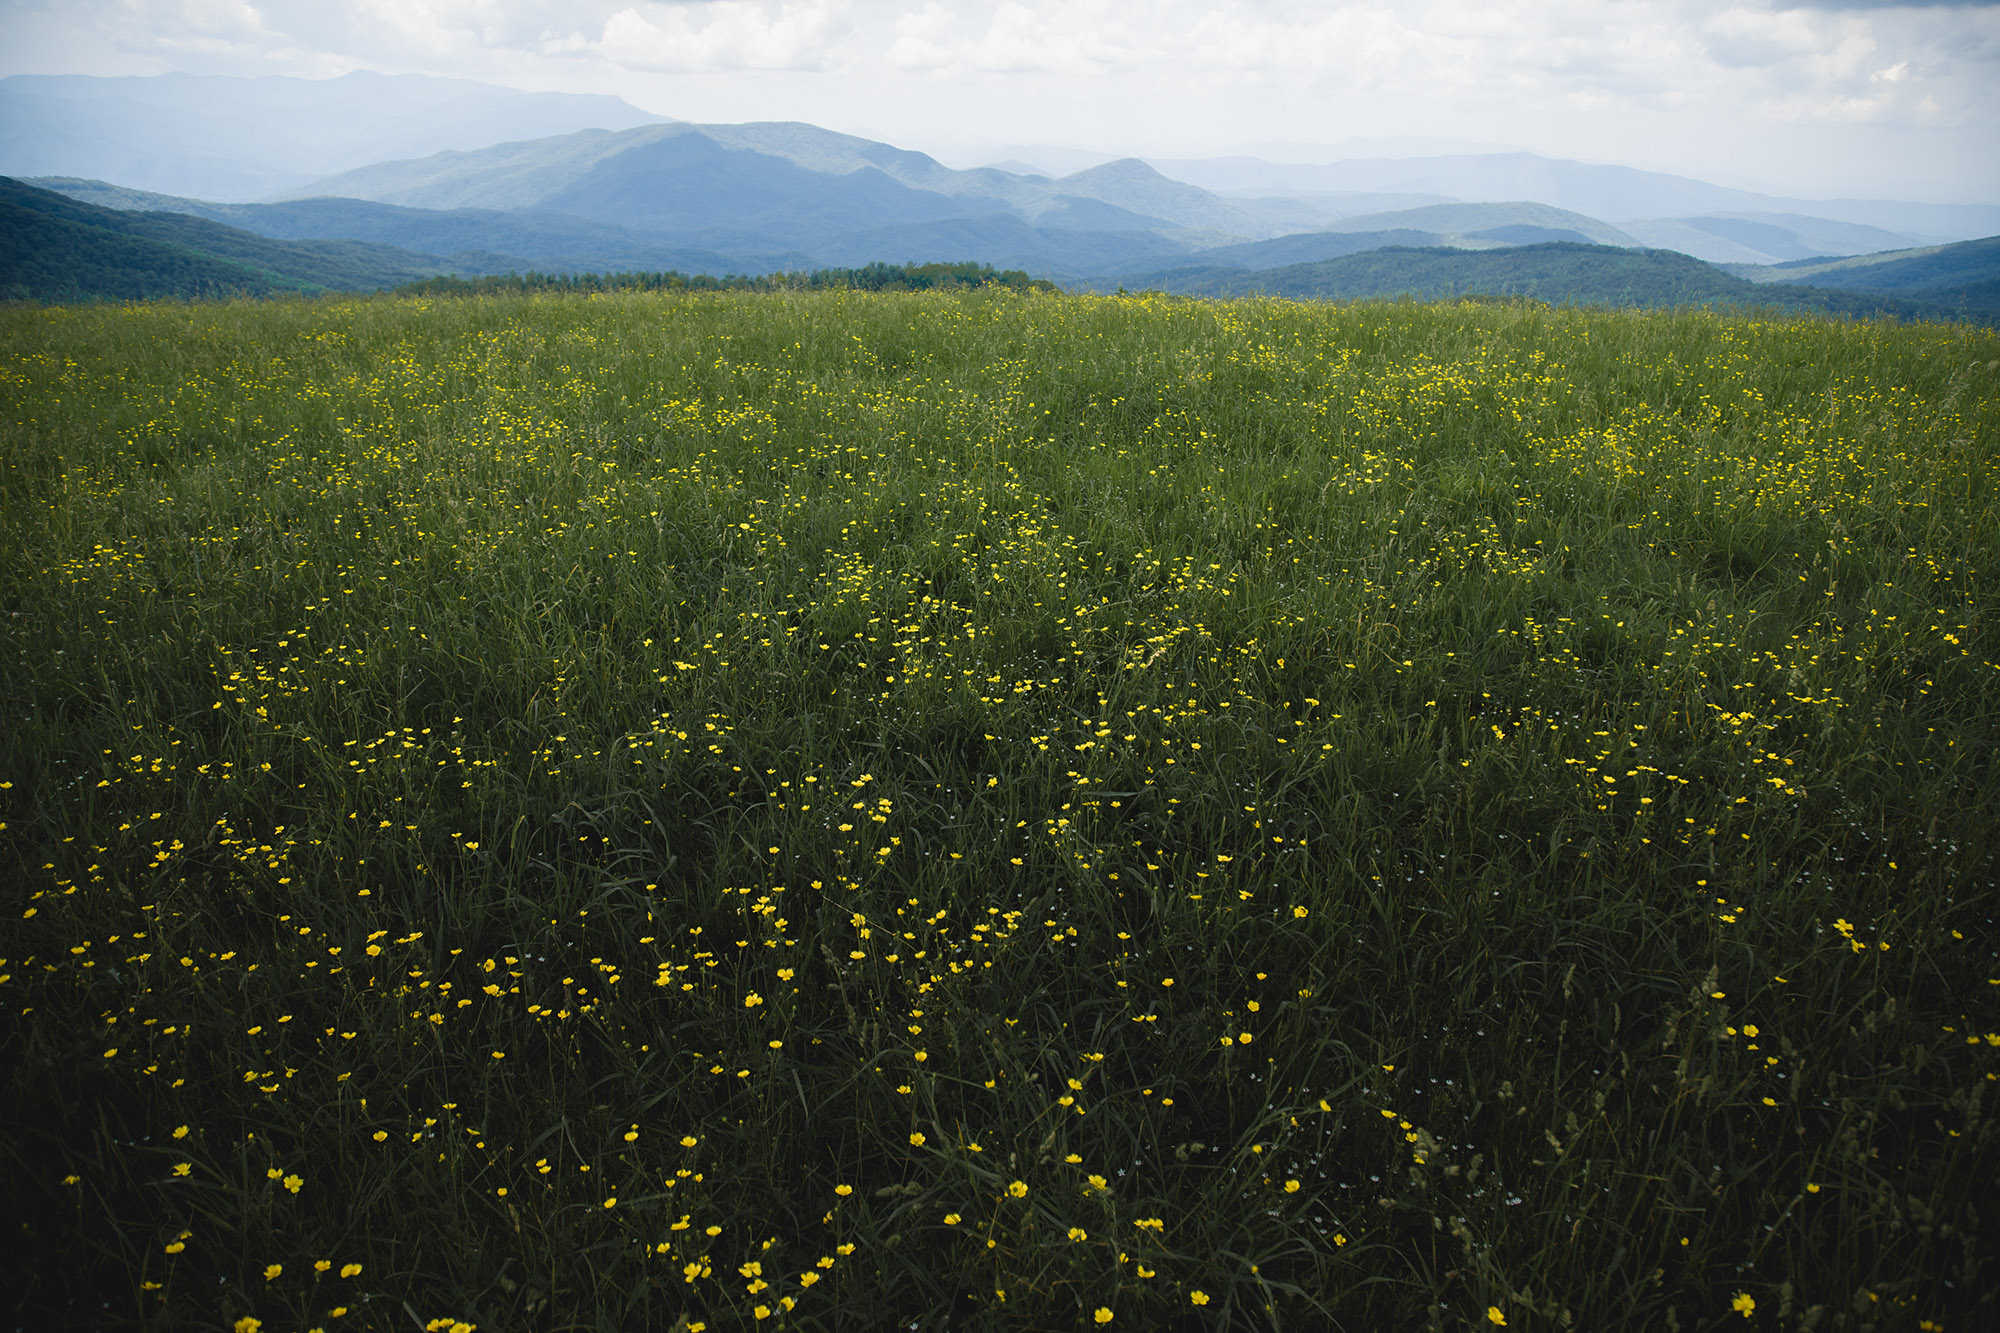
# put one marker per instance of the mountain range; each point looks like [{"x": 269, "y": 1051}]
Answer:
[
  {"x": 241, "y": 139},
  {"x": 419, "y": 177}
]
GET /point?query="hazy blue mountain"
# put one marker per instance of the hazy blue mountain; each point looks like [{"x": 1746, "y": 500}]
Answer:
[
  {"x": 481, "y": 240},
  {"x": 1005, "y": 241},
  {"x": 1130, "y": 184},
  {"x": 689, "y": 182},
  {"x": 788, "y": 181},
  {"x": 1482, "y": 225},
  {"x": 1310, "y": 248},
  {"x": 236, "y": 139},
  {"x": 1611, "y": 192},
  {"x": 1765, "y": 238}
]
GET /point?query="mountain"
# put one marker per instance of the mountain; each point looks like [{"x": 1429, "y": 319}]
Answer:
[
  {"x": 54, "y": 248},
  {"x": 1964, "y": 277},
  {"x": 1620, "y": 194},
  {"x": 484, "y": 240},
  {"x": 1006, "y": 241},
  {"x": 1561, "y": 272},
  {"x": 739, "y": 189},
  {"x": 1500, "y": 223},
  {"x": 789, "y": 181},
  {"x": 1312, "y": 248},
  {"x": 766, "y": 197},
  {"x": 235, "y": 139},
  {"x": 1765, "y": 238}
]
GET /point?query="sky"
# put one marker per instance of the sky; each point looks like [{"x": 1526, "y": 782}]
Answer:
[{"x": 1837, "y": 98}]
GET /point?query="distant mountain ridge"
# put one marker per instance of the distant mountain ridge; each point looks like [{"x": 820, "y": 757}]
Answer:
[
  {"x": 493, "y": 241},
  {"x": 241, "y": 139},
  {"x": 54, "y": 248},
  {"x": 1959, "y": 287},
  {"x": 771, "y": 193},
  {"x": 646, "y": 173},
  {"x": 768, "y": 197},
  {"x": 1618, "y": 194}
]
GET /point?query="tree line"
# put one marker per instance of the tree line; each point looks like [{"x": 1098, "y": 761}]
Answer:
[{"x": 876, "y": 277}]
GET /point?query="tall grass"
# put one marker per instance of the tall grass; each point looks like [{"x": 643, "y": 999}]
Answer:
[{"x": 982, "y": 811}]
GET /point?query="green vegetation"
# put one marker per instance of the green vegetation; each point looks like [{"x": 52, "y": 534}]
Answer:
[
  {"x": 1963, "y": 277},
  {"x": 996, "y": 811},
  {"x": 1556, "y": 271},
  {"x": 54, "y": 248},
  {"x": 872, "y": 278}
]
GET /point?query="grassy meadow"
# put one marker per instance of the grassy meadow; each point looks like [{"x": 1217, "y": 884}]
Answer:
[{"x": 993, "y": 811}]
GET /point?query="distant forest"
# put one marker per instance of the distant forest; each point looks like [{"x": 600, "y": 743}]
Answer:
[{"x": 877, "y": 277}]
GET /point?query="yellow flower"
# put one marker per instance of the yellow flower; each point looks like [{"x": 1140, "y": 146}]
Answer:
[
  {"x": 248, "y": 1324},
  {"x": 951, "y": 1219},
  {"x": 1299, "y": 911},
  {"x": 1495, "y": 1315},
  {"x": 1103, "y": 1315},
  {"x": 917, "y": 1139},
  {"x": 843, "y": 1190},
  {"x": 350, "y": 1270},
  {"x": 271, "y": 1272},
  {"x": 1744, "y": 1304},
  {"x": 181, "y": 1132},
  {"x": 1198, "y": 1297},
  {"x": 1019, "y": 1189}
]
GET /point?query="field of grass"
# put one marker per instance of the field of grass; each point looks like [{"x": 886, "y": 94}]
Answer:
[{"x": 788, "y": 811}]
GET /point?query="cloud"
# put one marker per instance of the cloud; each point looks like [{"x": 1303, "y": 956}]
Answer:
[
  {"x": 1598, "y": 78},
  {"x": 1745, "y": 38},
  {"x": 1901, "y": 4},
  {"x": 723, "y": 35}
]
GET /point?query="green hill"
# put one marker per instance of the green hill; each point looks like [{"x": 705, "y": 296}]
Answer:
[
  {"x": 54, "y": 248},
  {"x": 1964, "y": 276},
  {"x": 1559, "y": 272},
  {"x": 474, "y": 240},
  {"x": 48, "y": 257}
]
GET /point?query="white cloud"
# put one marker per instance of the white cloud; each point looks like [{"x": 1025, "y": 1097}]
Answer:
[
  {"x": 922, "y": 40},
  {"x": 1743, "y": 83},
  {"x": 1749, "y": 38},
  {"x": 725, "y": 35}
]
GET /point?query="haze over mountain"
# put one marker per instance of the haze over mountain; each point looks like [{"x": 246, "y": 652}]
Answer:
[
  {"x": 769, "y": 193},
  {"x": 788, "y": 186},
  {"x": 239, "y": 139},
  {"x": 773, "y": 196},
  {"x": 1618, "y": 194}
]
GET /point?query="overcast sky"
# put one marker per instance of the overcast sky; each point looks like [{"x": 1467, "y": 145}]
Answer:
[{"x": 1840, "y": 97}]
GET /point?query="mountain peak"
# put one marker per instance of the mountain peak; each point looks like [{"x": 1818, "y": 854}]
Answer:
[{"x": 1124, "y": 170}]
